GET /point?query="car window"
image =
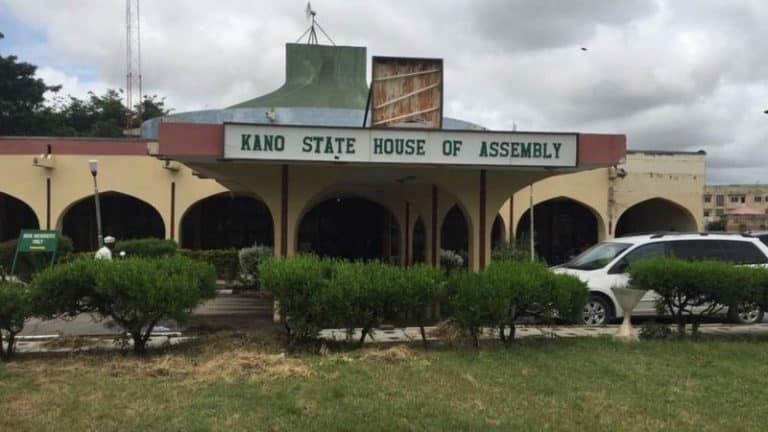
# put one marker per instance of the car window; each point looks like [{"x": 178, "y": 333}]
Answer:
[
  {"x": 648, "y": 251},
  {"x": 763, "y": 238},
  {"x": 692, "y": 250},
  {"x": 742, "y": 252},
  {"x": 598, "y": 256}
]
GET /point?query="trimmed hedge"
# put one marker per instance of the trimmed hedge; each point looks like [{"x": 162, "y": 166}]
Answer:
[
  {"x": 693, "y": 290},
  {"x": 507, "y": 290},
  {"x": 146, "y": 247},
  {"x": 316, "y": 293},
  {"x": 135, "y": 292},
  {"x": 15, "y": 308},
  {"x": 225, "y": 261}
]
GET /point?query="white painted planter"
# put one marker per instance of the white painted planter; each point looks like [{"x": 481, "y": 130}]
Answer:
[{"x": 628, "y": 298}]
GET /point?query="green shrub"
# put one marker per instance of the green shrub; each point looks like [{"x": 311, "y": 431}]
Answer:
[
  {"x": 420, "y": 287},
  {"x": 146, "y": 247},
  {"x": 654, "y": 330},
  {"x": 15, "y": 309},
  {"x": 693, "y": 290},
  {"x": 225, "y": 261},
  {"x": 509, "y": 289},
  {"x": 298, "y": 284},
  {"x": 567, "y": 297},
  {"x": 508, "y": 252},
  {"x": 66, "y": 288},
  {"x": 250, "y": 258},
  {"x": 136, "y": 292},
  {"x": 472, "y": 300}
]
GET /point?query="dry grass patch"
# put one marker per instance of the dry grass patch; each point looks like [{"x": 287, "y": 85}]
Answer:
[{"x": 395, "y": 353}]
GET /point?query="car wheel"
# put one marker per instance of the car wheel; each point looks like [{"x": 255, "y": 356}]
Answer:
[
  {"x": 597, "y": 311},
  {"x": 745, "y": 313}
]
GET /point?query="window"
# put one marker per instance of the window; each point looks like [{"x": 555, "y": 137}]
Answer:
[
  {"x": 721, "y": 212},
  {"x": 741, "y": 252},
  {"x": 698, "y": 250},
  {"x": 598, "y": 256},
  {"x": 737, "y": 198},
  {"x": 720, "y": 200},
  {"x": 648, "y": 251},
  {"x": 707, "y": 213},
  {"x": 758, "y": 199},
  {"x": 707, "y": 198}
]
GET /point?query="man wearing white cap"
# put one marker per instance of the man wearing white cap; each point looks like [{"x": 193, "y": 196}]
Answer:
[{"x": 105, "y": 252}]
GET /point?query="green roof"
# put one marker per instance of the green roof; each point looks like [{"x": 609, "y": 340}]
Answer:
[{"x": 319, "y": 76}]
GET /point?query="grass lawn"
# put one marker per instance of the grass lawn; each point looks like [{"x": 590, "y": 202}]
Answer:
[{"x": 235, "y": 382}]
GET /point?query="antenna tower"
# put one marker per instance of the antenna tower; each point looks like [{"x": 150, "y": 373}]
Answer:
[
  {"x": 311, "y": 33},
  {"x": 133, "y": 64}
]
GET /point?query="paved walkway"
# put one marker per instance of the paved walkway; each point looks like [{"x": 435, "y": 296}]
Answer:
[
  {"x": 226, "y": 312},
  {"x": 68, "y": 343}
]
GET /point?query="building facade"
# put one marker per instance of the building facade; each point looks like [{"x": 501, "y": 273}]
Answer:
[
  {"x": 721, "y": 200},
  {"x": 296, "y": 169}
]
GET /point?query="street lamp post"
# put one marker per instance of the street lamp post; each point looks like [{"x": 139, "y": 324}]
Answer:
[{"x": 94, "y": 167}]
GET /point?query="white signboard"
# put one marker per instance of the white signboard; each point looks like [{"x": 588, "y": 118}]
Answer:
[{"x": 399, "y": 146}]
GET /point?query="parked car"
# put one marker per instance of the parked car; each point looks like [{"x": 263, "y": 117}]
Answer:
[
  {"x": 605, "y": 265},
  {"x": 762, "y": 235}
]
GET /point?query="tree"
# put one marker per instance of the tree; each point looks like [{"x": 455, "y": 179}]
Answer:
[
  {"x": 21, "y": 96},
  {"x": 24, "y": 109}
]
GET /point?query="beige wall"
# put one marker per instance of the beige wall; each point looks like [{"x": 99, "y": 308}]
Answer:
[
  {"x": 142, "y": 177},
  {"x": 676, "y": 178},
  {"x": 609, "y": 192}
]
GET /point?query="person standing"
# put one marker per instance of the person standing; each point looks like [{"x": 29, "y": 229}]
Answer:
[{"x": 105, "y": 252}]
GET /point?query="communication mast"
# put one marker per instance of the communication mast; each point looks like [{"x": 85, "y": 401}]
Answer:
[
  {"x": 133, "y": 64},
  {"x": 311, "y": 33}
]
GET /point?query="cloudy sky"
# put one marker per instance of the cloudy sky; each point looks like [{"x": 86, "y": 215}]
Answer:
[{"x": 671, "y": 74}]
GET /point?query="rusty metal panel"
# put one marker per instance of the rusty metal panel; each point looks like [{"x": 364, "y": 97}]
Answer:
[{"x": 407, "y": 92}]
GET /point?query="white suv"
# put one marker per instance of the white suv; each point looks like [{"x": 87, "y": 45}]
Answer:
[{"x": 605, "y": 265}]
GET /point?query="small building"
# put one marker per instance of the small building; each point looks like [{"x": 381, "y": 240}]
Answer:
[
  {"x": 745, "y": 219},
  {"x": 718, "y": 200}
]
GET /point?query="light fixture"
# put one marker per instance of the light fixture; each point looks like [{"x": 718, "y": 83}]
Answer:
[{"x": 93, "y": 165}]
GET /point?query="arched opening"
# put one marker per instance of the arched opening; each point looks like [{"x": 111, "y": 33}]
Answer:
[
  {"x": 562, "y": 229},
  {"x": 350, "y": 228},
  {"x": 15, "y": 215},
  {"x": 226, "y": 221},
  {"x": 419, "y": 241},
  {"x": 655, "y": 214},
  {"x": 122, "y": 216},
  {"x": 498, "y": 233},
  {"x": 454, "y": 233}
]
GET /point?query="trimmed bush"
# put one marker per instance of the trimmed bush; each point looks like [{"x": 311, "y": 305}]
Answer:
[
  {"x": 473, "y": 301},
  {"x": 250, "y": 258},
  {"x": 509, "y": 289},
  {"x": 146, "y": 247},
  {"x": 298, "y": 284},
  {"x": 225, "y": 261},
  {"x": 420, "y": 287},
  {"x": 508, "y": 252},
  {"x": 136, "y": 292},
  {"x": 693, "y": 290},
  {"x": 15, "y": 309}
]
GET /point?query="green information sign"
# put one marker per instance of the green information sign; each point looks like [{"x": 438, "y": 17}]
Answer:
[{"x": 36, "y": 241}]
